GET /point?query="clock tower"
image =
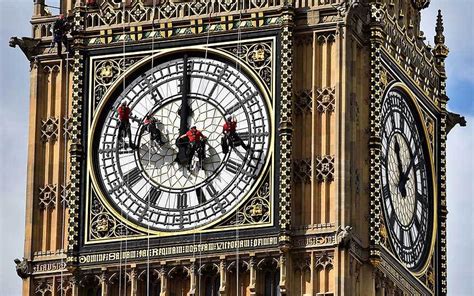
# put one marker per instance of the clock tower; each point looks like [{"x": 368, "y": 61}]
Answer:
[{"x": 221, "y": 147}]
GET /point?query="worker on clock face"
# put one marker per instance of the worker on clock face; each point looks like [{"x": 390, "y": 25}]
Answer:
[
  {"x": 197, "y": 143},
  {"x": 231, "y": 138},
  {"x": 151, "y": 125},
  {"x": 124, "y": 113}
]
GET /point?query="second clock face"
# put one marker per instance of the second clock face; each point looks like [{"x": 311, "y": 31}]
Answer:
[
  {"x": 147, "y": 184},
  {"x": 406, "y": 187}
]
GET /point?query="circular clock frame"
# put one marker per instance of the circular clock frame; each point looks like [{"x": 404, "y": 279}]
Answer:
[
  {"x": 132, "y": 74},
  {"x": 403, "y": 195}
]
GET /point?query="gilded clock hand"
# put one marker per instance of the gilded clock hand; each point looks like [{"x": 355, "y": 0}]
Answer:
[{"x": 400, "y": 169}]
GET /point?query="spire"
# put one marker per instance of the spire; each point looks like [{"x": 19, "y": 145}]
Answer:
[
  {"x": 439, "y": 38},
  {"x": 440, "y": 51}
]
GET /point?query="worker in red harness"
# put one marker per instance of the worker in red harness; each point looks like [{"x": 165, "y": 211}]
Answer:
[
  {"x": 231, "y": 138},
  {"x": 151, "y": 125},
  {"x": 197, "y": 142},
  {"x": 124, "y": 113},
  {"x": 91, "y": 3}
]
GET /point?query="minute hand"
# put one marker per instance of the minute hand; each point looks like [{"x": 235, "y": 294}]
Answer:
[
  {"x": 185, "y": 110},
  {"x": 404, "y": 177}
]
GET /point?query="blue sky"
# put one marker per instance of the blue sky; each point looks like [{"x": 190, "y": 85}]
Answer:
[{"x": 14, "y": 98}]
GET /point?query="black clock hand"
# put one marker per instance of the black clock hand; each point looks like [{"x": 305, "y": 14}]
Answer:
[
  {"x": 400, "y": 169},
  {"x": 185, "y": 110},
  {"x": 404, "y": 178}
]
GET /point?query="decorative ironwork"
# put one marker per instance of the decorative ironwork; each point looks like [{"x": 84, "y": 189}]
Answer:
[
  {"x": 104, "y": 225},
  {"x": 49, "y": 129},
  {"x": 257, "y": 210},
  {"x": 326, "y": 99},
  {"x": 285, "y": 126},
  {"x": 325, "y": 168},
  {"x": 47, "y": 196},
  {"x": 258, "y": 56},
  {"x": 107, "y": 72},
  {"x": 430, "y": 129}
]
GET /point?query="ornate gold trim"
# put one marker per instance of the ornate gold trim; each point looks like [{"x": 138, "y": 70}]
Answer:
[
  {"x": 269, "y": 98},
  {"x": 417, "y": 108}
]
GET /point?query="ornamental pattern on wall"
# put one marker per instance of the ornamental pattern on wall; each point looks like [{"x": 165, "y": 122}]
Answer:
[
  {"x": 108, "y": 71},
  {"x": 257, "y": 210},
  {"x": 258, "y": 56},
  {"x": 104, "y": 225}
]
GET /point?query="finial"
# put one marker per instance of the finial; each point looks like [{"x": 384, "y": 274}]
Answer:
[{"x": 439, "y": 37}]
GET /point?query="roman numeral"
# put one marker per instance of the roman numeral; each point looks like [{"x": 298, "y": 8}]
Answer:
[
  {"x": 211, "y": 190},
  {"x": 132, "y": 177},
  {"x": 239, "y": 104},
  {"x": 182, "y": 200},
  {"x": 386, "y": 191},
  {"x": 232, "y": 166},
  {"x": 154, "y": 194},
  {"x": 200, "y": 196}
]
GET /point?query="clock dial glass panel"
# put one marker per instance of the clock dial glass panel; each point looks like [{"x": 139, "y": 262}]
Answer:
[
  {"x": 146, "y": 183},
  {"x": 406, "y": 186}
]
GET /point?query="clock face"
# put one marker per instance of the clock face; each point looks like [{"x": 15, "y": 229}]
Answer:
[
  {"x": 406, "y": 186},
  {"x": 148, "y": 184}
]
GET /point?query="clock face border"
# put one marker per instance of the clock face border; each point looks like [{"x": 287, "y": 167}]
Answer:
[
  {"x": 428, "y": 154},
  {"x": 268, "y": 170}
]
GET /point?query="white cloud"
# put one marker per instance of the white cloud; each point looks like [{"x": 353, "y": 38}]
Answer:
[{"x": 460, "y": 196}]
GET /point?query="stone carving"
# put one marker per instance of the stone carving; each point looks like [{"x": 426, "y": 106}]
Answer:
[
  {"x": 421, "y": 4},
  {"x": 324, "y": 260},
  {"x": 22, "y": 268},
  {"x": 67, "y": 127},
  {"x": 344, "y": 235},
  {"x": 27, "y": 45},
  {"x": 326, "y": 99},
  {"x": 49, "y": 129},
  {"x": 43, "y": 287},
  {"x": 47, "y": 196},
  {"x": 302, "y": 170},
  {"x": 65, "y": 192},
  {"x": 325, "y": 168}
]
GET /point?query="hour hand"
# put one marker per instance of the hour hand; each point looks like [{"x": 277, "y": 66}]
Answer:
[{"x": 401, "y": 183}]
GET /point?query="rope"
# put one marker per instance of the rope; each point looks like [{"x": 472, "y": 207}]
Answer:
[
  {"x": 123, "y": 143},
  {"x": 239, "y": 48},
  {"x": 149, "y": 156}
]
